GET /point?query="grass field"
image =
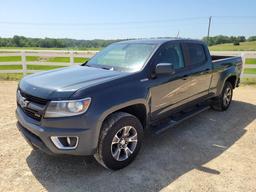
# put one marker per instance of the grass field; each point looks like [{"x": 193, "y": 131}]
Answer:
[
  {"x": 45, "y": 59},
  {"x": 11, "y": 76},
  {"x": 250, "y": 70},
  {"x": 29, "y": 67},
  {"x": 40, "y": 48},
  {"x": 10, "y": 59},
  {"x": 244, "y": 46},
  {"x": 250, "y": 61}
]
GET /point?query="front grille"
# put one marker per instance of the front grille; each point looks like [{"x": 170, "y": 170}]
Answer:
[
  {"x": 33, "y": 98},
  {"x": 34, "y": 114}
]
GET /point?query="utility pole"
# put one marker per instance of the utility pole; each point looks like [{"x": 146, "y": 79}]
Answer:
[
  {"x": 209, "y": 28},
  {"x": 178, "y": 34}
]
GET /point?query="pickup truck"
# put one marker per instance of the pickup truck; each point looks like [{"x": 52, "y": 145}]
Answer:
[{"x": 104, "y": 106}]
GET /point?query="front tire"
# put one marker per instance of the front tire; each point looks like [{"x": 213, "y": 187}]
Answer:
[
  {"x": 222, "y": 102},
  {"x": 120, "y": 141}
]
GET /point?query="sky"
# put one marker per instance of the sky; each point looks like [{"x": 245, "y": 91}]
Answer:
[{"x": 115, "y": 19}]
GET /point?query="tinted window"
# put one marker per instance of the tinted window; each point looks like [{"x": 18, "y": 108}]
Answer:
[
  {"x": 171, "y": 53},
  {"x": 194, "y": 53}
]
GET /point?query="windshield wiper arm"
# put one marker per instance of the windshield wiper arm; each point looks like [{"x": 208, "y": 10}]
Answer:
[{"x": 107, "y": 68}]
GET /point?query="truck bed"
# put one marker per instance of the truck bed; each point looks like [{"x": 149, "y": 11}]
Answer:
[
  {"x": 220, "y": 57},
  {"x": 219, "y": 60},
  {"x": 233, "y": 64}
]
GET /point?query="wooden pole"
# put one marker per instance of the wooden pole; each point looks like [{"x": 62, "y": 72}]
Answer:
[
  {"x": 23, "y": 61},
  {"x": 209, "y": 28}
]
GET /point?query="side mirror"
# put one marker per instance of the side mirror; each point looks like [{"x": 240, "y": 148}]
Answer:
[{"x": 165, "y": 68}]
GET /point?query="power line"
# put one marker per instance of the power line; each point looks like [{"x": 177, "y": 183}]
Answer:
[
  {"x": 101, "y": 23},
  {"x": 252, "y": 16}
]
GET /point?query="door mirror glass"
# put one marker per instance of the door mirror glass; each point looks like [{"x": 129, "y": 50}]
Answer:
[{"x": 165, "y": 68}]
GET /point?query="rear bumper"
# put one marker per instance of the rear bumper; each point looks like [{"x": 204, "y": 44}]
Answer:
[{"x": 38, "y": 136}]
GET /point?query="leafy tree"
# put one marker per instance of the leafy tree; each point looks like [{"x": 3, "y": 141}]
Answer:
[
  {"x": 252, "y": 38},
  {"x": 20, "y": 41}
]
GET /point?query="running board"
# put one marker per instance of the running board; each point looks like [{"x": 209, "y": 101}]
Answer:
[{"x": 178, "y": 118}]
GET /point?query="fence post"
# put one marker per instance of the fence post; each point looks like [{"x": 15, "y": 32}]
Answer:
[
  {"x": 71, "y": 57},
  {"x": 23, "y": 61},
  {"x": 243, "y": 61}
]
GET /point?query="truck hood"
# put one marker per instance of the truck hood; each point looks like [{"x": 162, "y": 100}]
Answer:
[{"x": 62, "y": 83}]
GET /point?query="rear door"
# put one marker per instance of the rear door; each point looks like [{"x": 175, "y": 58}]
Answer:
[{"x": 199, "y": 66}]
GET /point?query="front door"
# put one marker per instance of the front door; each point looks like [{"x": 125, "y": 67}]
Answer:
[{"x": 168, "y": 91}]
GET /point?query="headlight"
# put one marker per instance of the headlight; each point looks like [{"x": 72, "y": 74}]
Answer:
[{"x": 67, "y": 108}]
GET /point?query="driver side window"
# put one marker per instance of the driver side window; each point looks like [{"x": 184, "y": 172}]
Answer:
[{"x": 171, "y": 53}]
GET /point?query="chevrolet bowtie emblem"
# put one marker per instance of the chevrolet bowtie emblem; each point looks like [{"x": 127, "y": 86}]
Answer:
[{"x": 22, "y": 100}]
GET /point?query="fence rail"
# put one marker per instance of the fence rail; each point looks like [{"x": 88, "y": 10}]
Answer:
[
  {"x": 87, "y": 54},
  {"x": 40, "y": 53}
]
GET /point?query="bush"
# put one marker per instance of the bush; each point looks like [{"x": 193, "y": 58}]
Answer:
[{"x": 236, "y": 43}]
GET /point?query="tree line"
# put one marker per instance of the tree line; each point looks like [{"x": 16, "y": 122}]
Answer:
[
  {"x": 21, "y": 41},
  {"x": 220, "y": 39}
]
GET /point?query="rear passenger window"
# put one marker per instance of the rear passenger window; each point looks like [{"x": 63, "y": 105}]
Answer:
[
  {"x": 171, "y": 53},
  {"x": 194, "y": 54}
]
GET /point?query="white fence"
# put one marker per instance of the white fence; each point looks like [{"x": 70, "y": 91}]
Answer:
[
  {"x": 41, "y": 53},
  {"x": 87, "y": 54}
]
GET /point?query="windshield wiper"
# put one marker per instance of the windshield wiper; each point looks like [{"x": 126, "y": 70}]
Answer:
[
  {"x": 107, "y": 68},
  {"x": 99, "y": 66}
]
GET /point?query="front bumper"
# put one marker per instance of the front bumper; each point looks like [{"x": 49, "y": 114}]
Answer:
[{"x": 38, "y": 135}]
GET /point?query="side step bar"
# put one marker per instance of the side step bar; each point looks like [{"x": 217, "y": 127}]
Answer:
[{"x": 178, "y": 118}]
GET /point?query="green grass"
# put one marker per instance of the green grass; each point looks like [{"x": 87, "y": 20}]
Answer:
[
  {"x": 59, "y": 59},
  {"x": 250, "y": 61},
  {"x": 29, "y": 67},
  {"x": 80, "y": 59},
  {"x": 42, "y": 67},
  {"x": 248, "y": 81},
  {"x": 11, "y": 76},
  {"x": 45, "y": 59},
  {"x": 10, "y": 67},
  {"x": 32, "y": 58},
  {"x": 250, "y": 70},
  {"x": 244, "y": 46},
  {"x": 10, "y": 59},
  {"x": 40, "y": 48}
]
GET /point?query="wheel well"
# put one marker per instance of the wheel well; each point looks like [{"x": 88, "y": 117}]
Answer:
[
  {"x": 232, "y": 80},
  {"x": 139, "y": 111}
]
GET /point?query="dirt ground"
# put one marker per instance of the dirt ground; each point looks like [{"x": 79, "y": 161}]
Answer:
[{"x": 214, "y": 151}]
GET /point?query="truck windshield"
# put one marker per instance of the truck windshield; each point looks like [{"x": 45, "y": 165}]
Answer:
[{"x": 125, "y": 57}]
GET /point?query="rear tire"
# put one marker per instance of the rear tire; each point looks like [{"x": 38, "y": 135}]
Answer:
[
  {"x": 222, "y": 102},
  {"x": 120, "y": 141}
]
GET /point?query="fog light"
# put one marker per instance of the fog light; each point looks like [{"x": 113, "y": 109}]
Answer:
[{"x": 65, "y": 142}]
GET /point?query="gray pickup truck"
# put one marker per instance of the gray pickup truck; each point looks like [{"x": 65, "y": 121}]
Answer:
[{"x": 104, "y": 106}]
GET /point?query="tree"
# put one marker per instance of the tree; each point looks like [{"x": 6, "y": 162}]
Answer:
[{"x": 252, "y": 38}]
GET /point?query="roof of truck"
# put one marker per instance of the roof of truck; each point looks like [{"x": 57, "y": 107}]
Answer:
[{"x": 159, "y": 41}]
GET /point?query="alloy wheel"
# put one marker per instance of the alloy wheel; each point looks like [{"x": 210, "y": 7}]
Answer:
[{"x": 124, "y": 143}]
